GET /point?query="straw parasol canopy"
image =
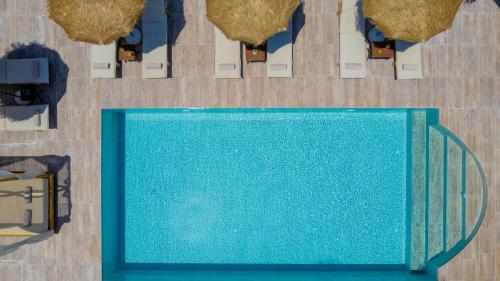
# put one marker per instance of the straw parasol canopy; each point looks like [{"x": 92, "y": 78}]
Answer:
[
  {"x": 411, "y": 20},
  {"x": 96, "y": 21},
  {"x": 251, "y": 21}
]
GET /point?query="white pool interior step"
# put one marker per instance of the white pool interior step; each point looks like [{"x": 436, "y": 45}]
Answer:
[{"x": 447, "y": 191}]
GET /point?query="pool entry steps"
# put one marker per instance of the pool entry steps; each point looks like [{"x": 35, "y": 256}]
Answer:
[{"x": 448, "y": 193}]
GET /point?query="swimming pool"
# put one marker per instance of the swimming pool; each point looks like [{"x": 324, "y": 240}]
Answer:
[{"x": 274, "y": 193}]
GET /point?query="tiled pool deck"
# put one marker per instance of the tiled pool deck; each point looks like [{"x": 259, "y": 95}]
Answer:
[{"x": 462, "y": 78}]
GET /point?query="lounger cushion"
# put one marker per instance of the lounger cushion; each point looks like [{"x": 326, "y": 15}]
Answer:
[
  {"x": 352, "y": 47},
  {"x": 352, "y": 56},
  {"x": 351, "y": 17},
  {"x": 154, "y": 43},
  {"x": 154, "y": 12},
  {"x": 27, "y": 71},
  {"x": 27, "y": 118},
  {"x": 408, "y": 60},
  {"x": 227, "y": 56},
  {"x": 280, "y": 54},
  {"x": 103, "y": 61},
  {"x": 154, "y": 57}
]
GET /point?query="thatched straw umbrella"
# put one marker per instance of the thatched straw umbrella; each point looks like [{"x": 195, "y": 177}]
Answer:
[
  {"x": 96, "y": 21},
  {"x": 251, "y": 21},
  {"x": 411, "y": 20}
]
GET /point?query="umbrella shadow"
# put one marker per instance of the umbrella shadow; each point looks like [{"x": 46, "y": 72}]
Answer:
[
  {"x": 176, "y": 23},
  {"x": 299, "y": 20},
  {"x": 176, "y": 20},
  {"x": 360, "y": 18},
  {"x": 10, "y": 248},
  {"x": 50, "y": 93}
]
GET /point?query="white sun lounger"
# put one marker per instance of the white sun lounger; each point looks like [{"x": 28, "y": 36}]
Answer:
[
  {"x": 227, "y": 56},
  {"x": 103, "y": 61},
  {"x": 24, "y": 71},
  {"x": 352, "y": 56},
  {"x": 408, "y": 60},
  {"x": 280, "y": 54},
  {"x": 352, "y": 47},
  {"x": 154, "y": 42},
  {"x": 24, "y": 118}
]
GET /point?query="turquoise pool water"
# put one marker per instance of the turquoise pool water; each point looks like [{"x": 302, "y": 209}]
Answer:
[
  {"x": 265, "y": 188},
  {"x": 284, "y": 194}
]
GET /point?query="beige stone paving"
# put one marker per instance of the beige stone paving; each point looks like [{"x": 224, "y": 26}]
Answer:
[{"x": 462, "y": 78}]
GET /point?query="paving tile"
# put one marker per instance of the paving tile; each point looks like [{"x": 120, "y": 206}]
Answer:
[
  {"x": 455, "y": 34},
  {"x": 42, "y": 253},
  {"x": 40, "y": 272},
  {"x": 487, "y": 266},
  {"x": 330, "y": 28},
  {"x": 455, "y": 66},
  {"x": 471, "y": 94},
  {"x": 229, "y": 92},
  {"x": 329, "y": 6},
  {"x": 471, "y": 61},
  {"x": 3, "y": 6},
  {"x": 12, "y": 272},
  {"x": 439, "y": 61},
  {"x": 470, "y": 28}
]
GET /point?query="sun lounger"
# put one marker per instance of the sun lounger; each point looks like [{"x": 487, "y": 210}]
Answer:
[
  {"x": 24, "y": 71},
  {"x": 154, "y": 42},
  {"x": 103, "y": 61},
  {"x": 280, "y": 54},
  {"x": 227, "y": 56},
  {"x": 408, "y": 60},
  {"x": 352, "y": 56},
  {"x": 25, "y": 118},
  {"x": 352, "y": 47},
  {"x": 20, "y": 217}
]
